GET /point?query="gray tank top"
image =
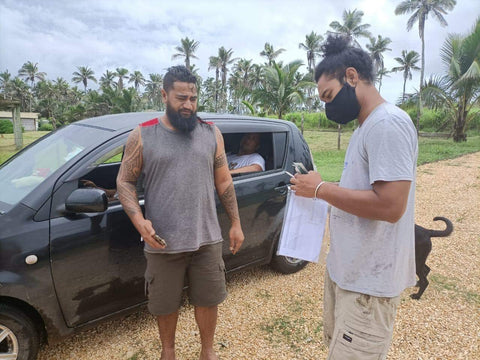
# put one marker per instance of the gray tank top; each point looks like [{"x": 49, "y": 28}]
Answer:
[{"x": 179, "y": 185}]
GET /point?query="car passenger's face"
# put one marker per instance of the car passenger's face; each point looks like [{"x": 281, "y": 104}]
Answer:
[
  {"x": 249, "y": 143},
  {"x": 182, "y": 98}
]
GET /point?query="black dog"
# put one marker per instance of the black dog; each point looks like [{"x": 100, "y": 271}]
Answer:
[{"x": 423, "y": 246}]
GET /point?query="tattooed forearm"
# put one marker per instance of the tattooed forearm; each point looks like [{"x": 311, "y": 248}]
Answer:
[
  {"x": 220, "y": 161},
  {"x": 127, "y": 195},
  {"x": 129, "y": 172},
  {"x": 229, "y": 202}
]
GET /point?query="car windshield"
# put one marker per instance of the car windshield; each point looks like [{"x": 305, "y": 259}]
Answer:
[{"x": 30, "y": 167}]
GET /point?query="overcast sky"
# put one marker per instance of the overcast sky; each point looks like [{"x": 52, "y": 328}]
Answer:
[{"x": 60, "y": 35}]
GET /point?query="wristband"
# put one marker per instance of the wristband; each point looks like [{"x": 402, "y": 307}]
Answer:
[{"x": 318, "y": 187}]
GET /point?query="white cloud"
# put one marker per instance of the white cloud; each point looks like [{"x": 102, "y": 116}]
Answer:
[{"x": 141, "y": 35}]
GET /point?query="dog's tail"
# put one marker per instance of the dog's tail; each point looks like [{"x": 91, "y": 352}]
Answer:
[{"x": 442, "y": 233}]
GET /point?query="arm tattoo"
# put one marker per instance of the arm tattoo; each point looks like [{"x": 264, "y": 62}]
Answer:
[
  {"x": 229, "y": 202},
  {"x": 220, "y": 161},
  {"x": 129, "y": 172}
]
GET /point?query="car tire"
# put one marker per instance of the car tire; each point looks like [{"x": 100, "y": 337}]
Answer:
[
  {"x": 287, "y": 265},
  {"x": 18, "y": 333}
]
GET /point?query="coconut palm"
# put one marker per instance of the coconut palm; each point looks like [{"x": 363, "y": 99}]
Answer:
[
  {"x": 215, "y": 63},
  {"x": 270, "y": 53},
  {"x": 186, "y": 50},
  {"x": 312, "y": 46},
  {"x": 29, "y": 72},
  {"x": 153, "y": 90},
  {"x": 421, "y": 9},
  {"x": 108, "y": 79},
  {"x": 83, "y": 74},
  {"x": 225, "y": 59},
  {"x": 121, "y": 73},
  {"x": 408, "y": 62},
  {"x": 352, "y": 26},
  {"x": 377, "y": 47},
  {"x": 21, "y": 91},
  {"x": 459, "y": 89},
  {"x": 281, "y": 90},
  {"x": 137, "y": 79},
  {"x": 5, "y": 79}
]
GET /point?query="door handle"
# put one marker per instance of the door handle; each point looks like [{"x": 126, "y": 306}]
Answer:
[{"x": 282, "y": 189}]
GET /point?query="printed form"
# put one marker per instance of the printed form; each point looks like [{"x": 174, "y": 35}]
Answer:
[{"x": 303, "y": 227}]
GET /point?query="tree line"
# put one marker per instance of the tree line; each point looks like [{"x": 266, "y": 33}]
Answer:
[{"x": 273, "y": 88}]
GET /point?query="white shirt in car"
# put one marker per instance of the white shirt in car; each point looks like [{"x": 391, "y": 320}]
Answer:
[{"x": 238, "y": 161}]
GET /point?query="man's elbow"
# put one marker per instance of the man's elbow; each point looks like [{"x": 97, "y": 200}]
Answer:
[{"x": 393, "y": 215}]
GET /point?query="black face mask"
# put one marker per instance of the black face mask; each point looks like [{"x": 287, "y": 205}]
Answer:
[{"x": 344, "y": 107}]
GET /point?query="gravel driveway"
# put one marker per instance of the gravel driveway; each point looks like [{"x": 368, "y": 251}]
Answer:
[{"x": 273, "y": 316}]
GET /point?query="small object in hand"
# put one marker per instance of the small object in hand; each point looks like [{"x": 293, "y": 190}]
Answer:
[
  {"x": 160, "y": 240},
  {"x": 300, "y": 168}
]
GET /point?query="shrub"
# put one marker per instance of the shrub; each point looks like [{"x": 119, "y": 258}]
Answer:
[
  {"x": 45, "y": 127},
  {"x": 6, "y": 127}
]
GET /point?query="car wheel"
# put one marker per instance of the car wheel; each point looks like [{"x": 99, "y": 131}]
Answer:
[
  {"x": 286, "y": 264},
  {"x": 19, "y": 339}
]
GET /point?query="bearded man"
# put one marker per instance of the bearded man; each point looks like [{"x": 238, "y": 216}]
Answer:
[{"x": 182, "y": 159}]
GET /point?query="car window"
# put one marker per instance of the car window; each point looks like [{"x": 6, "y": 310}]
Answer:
[
  {"x": 32, "y": 166},
  {"x": 271, "y": 148}
]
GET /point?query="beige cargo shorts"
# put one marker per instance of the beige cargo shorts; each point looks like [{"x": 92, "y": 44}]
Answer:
[{"x": 357, "y": 326}]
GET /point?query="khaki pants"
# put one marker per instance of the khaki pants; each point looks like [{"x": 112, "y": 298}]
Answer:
[{"x": 357, "y": 326}]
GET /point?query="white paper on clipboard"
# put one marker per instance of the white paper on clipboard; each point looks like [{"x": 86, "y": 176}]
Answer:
[{"x": 303, "y": 227}]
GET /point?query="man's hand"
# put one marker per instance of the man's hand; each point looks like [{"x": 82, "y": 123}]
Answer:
[
  {"x": 304, "y": 185},
  {"x": 147, "y": 232},
  {"x": 236, "y": 238}
]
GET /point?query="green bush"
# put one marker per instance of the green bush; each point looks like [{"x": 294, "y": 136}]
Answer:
[
  {"x": 45, "y": 127},
  {"x": 6, "y": 127}
]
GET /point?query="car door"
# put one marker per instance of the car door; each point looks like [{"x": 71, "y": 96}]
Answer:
[
  {"x": 261, "y": 196},
  {"x": 97, "y": 259}
]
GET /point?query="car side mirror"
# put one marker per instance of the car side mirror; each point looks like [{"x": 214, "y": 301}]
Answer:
[{"x": 86, "y": 201}]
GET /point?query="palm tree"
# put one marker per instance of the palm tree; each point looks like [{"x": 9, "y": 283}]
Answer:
[
  {"x": 380, "y": 74},
  {"x": 121, "y": 73},
  {"x": 153, "y": 90},
  {"x": 281, "y": 90},
  {"x": 137, "y": 79},
  {"x": 377, "y": 47},
  {"x": 187, "y": 50},
  {"x": 408, "y": 62},
  {"x": 29, "y": 72},
  {"x": 225, "y": 59},
  {"x": 312, "y": 46},
  {"x": 352, "y": 26},
  {"x": 215, "y": 63},
  {"x": 5, "y": 79},
  {"x": 421, "y": 9},
  {"x": 84, "y": 74},
  {"x": 108, "y": 79},
  {"x": 270, "y": 53},
  {"x": 459, "y": 89},
  {"x": 20, "y": 90}
]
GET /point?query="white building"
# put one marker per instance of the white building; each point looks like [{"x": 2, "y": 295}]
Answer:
[{"x": 29, "y": 119}]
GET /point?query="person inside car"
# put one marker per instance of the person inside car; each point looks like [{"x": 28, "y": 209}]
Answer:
[{"x": 247, "y": 159}]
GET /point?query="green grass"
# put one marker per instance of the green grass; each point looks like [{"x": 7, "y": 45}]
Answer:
[
  {"x": 7, "y": 143},
  {"x": 329, "y": 160}
]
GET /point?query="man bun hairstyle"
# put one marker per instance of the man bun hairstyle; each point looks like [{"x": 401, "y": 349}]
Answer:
[
  {"x": 339, "y": 55},
  {"x": 178, "y": 73}
]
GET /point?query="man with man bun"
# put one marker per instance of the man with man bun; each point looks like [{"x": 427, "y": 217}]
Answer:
[{"x": 372, "y": 254}]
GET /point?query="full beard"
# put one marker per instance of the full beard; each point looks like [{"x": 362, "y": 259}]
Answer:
[{"x": 180, "y": 122}]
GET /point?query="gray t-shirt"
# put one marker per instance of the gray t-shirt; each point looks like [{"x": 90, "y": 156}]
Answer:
[
  {"x": 370, "y": 256},
  {"x": 179, "y": 185}
]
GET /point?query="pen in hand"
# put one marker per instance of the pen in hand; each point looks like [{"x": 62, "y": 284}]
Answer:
[{"x": 291, "y": 175}]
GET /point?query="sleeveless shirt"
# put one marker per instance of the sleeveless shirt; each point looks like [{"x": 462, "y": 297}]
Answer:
[{"x": 178, "y": 171}]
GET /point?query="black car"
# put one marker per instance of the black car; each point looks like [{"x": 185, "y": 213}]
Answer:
[{"x": 70, "y": 257}]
